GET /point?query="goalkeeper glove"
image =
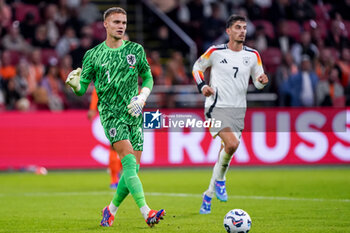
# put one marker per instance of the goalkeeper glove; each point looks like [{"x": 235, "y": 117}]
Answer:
[
  {"x": 73, "y": 79},
  {"x": 137, "y": 102}
]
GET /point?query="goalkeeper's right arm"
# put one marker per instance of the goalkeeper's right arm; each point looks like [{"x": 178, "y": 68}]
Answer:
[{"x": 73, "y": 80}]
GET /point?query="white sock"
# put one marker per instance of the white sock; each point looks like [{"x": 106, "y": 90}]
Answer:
[
  {"x": 112, "y": 208},
  {"x": 144, "y": 211},
  {"x": 219, "y": 171},
  {"x": 211, "y": 190},
  {"x": 224, "y": 163}
]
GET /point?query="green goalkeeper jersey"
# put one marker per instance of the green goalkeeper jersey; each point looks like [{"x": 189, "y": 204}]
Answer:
[{"x": 115, "y": 75}]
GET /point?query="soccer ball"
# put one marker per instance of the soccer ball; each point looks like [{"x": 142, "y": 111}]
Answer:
[{"x": 237, "y": 221}]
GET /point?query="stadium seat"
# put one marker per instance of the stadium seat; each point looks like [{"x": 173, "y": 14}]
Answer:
[
  {"x": 271, "y": 59},
  {"x": 321, "y": 25},
  {"x": 99, "y": 31},
  {"x": 269, "y": 29},
  {"x": 322, "y": 11},
  {"x": 47, "y": 54},
  {"x": 15, "y": 57},
  {"x": 22, "y": 9},
  {"x": 293, "y": 29}
]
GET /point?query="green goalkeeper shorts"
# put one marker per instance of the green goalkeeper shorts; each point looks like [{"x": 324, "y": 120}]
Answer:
[{"x": 116, "y": 130}]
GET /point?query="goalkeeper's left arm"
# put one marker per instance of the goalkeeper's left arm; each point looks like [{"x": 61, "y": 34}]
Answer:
[{"x": 137, "y": 102}]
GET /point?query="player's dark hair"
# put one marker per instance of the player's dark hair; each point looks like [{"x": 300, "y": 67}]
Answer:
[
  {"x": 234, "y": 18},
  {"x": 113, "y": 10}
]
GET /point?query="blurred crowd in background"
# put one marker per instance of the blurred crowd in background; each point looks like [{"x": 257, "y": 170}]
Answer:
[{"x": 304, "y": 46}]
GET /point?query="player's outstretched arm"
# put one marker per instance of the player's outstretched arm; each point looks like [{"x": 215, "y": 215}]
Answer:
[{"x": 73, "y": 79}]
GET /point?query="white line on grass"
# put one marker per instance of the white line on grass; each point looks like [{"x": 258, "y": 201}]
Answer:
[
  {"x": 253, "y": 197},
  {"x": 96, "y": 193}
]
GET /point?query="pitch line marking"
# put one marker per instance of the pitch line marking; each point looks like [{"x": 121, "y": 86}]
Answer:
[
  {"x": 252, "y": 197},
  {"x": 96, "y": 193}
]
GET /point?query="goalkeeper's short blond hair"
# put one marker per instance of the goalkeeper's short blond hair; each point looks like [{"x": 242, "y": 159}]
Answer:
[{"x": 113, "y": 10}]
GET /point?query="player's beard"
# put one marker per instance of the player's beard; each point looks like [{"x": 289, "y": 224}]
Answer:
[{"x": 239, "y": 41}]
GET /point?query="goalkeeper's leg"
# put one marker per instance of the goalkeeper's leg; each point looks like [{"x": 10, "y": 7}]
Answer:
[
  {"x": 133, "y": 183},
  {"x": 121, "y": 193}
]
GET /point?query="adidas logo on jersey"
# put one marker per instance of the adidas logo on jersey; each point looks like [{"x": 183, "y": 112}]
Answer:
[{"x": 224, "y": 61}]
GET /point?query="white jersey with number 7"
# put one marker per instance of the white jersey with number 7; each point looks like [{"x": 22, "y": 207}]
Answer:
[{"x": 229, "y": 75}]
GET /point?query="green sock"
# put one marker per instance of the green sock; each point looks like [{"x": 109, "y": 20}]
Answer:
[
  {"x": 122, "y": 191},
  {"x": 132, "y": 181}
]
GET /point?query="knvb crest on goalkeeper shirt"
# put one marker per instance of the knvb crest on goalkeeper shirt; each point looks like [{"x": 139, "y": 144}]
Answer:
[
  {"x": 131, "y": 60},
  {"x": 152, "y": 120},
  {"x": 112, "y": 132}
]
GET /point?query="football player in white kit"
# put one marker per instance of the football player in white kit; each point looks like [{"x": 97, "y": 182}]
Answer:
[{"x": 232, "y": 65}]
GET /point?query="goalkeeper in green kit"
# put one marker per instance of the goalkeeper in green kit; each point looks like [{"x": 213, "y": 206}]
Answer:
[{"x": 114, "y": 67}]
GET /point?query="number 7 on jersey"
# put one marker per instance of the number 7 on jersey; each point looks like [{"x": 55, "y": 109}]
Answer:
[{"x": 236, "y": 71}]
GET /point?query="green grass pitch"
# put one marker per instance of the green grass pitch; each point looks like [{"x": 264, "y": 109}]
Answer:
[{"x": 279, "y": 200}]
